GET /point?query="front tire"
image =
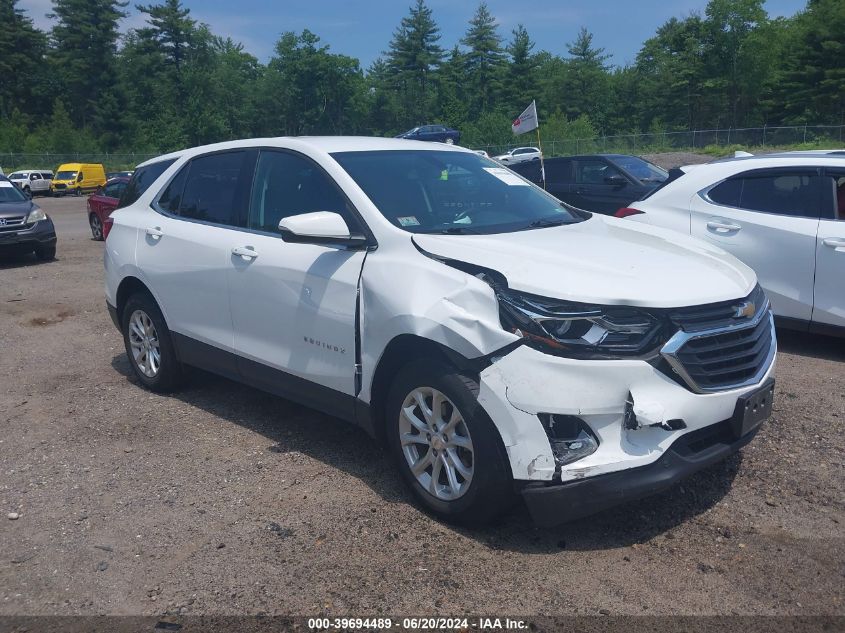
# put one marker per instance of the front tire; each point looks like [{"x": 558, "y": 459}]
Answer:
[
  {"x": 46, "y": 253},
  {"x": 149, "y": 345},
  {"x": 450, "y": 141},
  {"x": 448, "y": 450},
  {"x": 96, "y": 227},
  {"x": 78, "y": 192}
]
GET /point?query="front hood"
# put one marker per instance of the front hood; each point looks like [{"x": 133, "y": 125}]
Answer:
[
  {"x": 16, "y": 209},
  {"x": 604, "y": 260}
]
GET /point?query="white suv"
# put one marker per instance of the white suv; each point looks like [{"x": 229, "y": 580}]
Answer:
[
  {"x": 32, "y": 181},
  {"x": 519, "y": 155},
  {"x": 498, "y": 341},
  {"x": 782, "y": 214}
]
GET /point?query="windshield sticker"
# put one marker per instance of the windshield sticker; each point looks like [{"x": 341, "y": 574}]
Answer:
[
  {"x": 506, "y": 176},
  {"x": 408, "y": 220}
]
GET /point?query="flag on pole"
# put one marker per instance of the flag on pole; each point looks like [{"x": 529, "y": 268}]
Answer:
[{"x": 526, "y": 121}]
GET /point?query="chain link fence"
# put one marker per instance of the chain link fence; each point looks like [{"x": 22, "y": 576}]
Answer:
[
  {"x": 811, "y": 136},
  {"x": 112, "y": 162},
  {"x": 691, "y": 140}
]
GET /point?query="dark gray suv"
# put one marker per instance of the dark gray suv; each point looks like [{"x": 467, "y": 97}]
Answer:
[
  {"x": 602, "y": 183},
  {"x": 24, "y": 227}
]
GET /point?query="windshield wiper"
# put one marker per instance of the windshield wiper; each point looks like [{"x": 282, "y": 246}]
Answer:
[
  {"x": 543, "y": 223},
  {"x": 458, "y": 230}
]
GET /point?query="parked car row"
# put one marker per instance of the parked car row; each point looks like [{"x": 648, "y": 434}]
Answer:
[{"x": 69, "y": 178}]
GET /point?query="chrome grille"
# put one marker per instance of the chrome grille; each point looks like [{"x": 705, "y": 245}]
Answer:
[
  {"x": 718, "y": 349},
  {"x": 12, "y": 224}
]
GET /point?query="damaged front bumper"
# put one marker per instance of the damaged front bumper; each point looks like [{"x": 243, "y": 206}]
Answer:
[
  {"x": 632, "y": 460},
  {"x": 551, "y": 505}
]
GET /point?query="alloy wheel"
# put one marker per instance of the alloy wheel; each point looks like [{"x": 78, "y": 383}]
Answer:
[
  {"x": 96, "y": 227},
  {"x": 144, "y": 343},
  {"x": 436, "y": 443}
]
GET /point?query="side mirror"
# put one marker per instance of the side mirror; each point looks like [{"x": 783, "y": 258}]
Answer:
[
  {"x": 616, "y": 180},
  {"x": 319, "y": 227}
]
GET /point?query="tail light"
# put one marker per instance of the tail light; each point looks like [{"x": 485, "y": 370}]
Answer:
[
  {"x": 107, "y": 224},
  {"x": 624, "y": 212}
]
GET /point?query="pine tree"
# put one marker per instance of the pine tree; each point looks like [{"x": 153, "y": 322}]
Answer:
[
  {"x": 22, "y": 49},
  {"x": 521, "y": 84},
  {"x": 172, "y": 28},
  {"x": 413, "y": 59},
  {"x": 587, "y": 79},
  {"x": 485, "y": 60},
  {"x": 84, "y": 44}
]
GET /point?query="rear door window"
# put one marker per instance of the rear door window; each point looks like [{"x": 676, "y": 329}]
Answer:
[
  {"x": 215, "y": 189},
  {"x": 594, "y": 172},
  {"x": 796, "y": 194}
]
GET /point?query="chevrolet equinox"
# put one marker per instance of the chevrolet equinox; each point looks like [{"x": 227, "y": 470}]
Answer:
[{"x": 499, "y": 342}]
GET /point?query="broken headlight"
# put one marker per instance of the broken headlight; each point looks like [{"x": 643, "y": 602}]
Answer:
[{"x": 579, "y": 330}]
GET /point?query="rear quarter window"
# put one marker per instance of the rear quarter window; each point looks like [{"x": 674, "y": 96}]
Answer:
[{"x": 141, "y": 181}]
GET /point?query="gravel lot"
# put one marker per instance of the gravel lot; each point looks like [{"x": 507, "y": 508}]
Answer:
[{"x": 225, "y": 500}]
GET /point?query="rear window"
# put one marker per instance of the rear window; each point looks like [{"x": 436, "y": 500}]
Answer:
[{"x": 141, "y": 181}]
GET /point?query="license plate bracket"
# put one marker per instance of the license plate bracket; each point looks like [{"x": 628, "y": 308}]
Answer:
[{"x": 753, "y": 409}]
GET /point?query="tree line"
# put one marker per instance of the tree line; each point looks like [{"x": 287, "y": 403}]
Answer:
[{"x": 85, "y": 87}]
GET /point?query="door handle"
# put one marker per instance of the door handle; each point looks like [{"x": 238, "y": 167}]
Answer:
[
  {"x": 155, "y": 233},
  {"x": 723, "y": 227},
  {"x": 246, "y": 253},
  {"x": 835, "y": 242}
]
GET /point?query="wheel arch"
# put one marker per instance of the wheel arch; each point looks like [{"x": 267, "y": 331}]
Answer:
[
  {"x": 129, "y": 286},
  {"x": 406, "y": 348}
]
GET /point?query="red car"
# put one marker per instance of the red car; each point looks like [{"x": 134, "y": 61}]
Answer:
[{"x": 102, "y": 202}]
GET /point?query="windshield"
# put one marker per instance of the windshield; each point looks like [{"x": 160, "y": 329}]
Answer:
[
  {"x": 66, "y": 175},
  {"x": 10, "y": 193},
  {"x": 452, "y": 192},
  {"x": 17, "y": 176},
  {"x": 641, "y": 169}
]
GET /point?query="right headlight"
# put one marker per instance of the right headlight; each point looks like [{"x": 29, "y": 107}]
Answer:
[
  {"x": 579, "y": 330},
  {"x": 36, "y": 215}
]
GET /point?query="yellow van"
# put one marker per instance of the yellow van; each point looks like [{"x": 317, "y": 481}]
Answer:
[{"x": 77, "y": 178}]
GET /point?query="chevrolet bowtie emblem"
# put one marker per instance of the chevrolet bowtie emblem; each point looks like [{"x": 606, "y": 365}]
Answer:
[
  {"x": 746, "y": 310},
  {"x": 2, "y": 221}
]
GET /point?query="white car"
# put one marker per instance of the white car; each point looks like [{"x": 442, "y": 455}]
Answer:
[
  {"x": 498, "y": 341},
  {"x": 32, "y": 181},
  {"x": 519, "y": 155},
  {"x": 782, "y": 214}
]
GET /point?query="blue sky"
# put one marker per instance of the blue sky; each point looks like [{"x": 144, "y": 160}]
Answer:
[{"x": 363, "y": 29}]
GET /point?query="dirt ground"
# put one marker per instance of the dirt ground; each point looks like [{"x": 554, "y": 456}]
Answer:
[{"x": 224, "y": 500}]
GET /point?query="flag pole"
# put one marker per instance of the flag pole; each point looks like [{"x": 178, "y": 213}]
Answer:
[
  {"x": 540, "y": 147},
  {"x": 542, "y": 164}
]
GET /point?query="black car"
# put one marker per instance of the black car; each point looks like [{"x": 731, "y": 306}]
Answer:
[
  {"x": 602, "y": 183},
  {"x": 24, "y": 227},
  {"x": 439, "y": 133}
]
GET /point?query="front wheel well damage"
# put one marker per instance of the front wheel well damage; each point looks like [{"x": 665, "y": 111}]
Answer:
[{"x": 406, "y": 348}]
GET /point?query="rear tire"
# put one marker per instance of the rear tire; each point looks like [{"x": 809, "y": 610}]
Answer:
[
  {"x": 96, "y": 227},
  {"x": 450, "y": 141},
  {"x": 149, "y": 345},
  {"x": 436, "y": 427},
  {"x": 46, "y": 253}
]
